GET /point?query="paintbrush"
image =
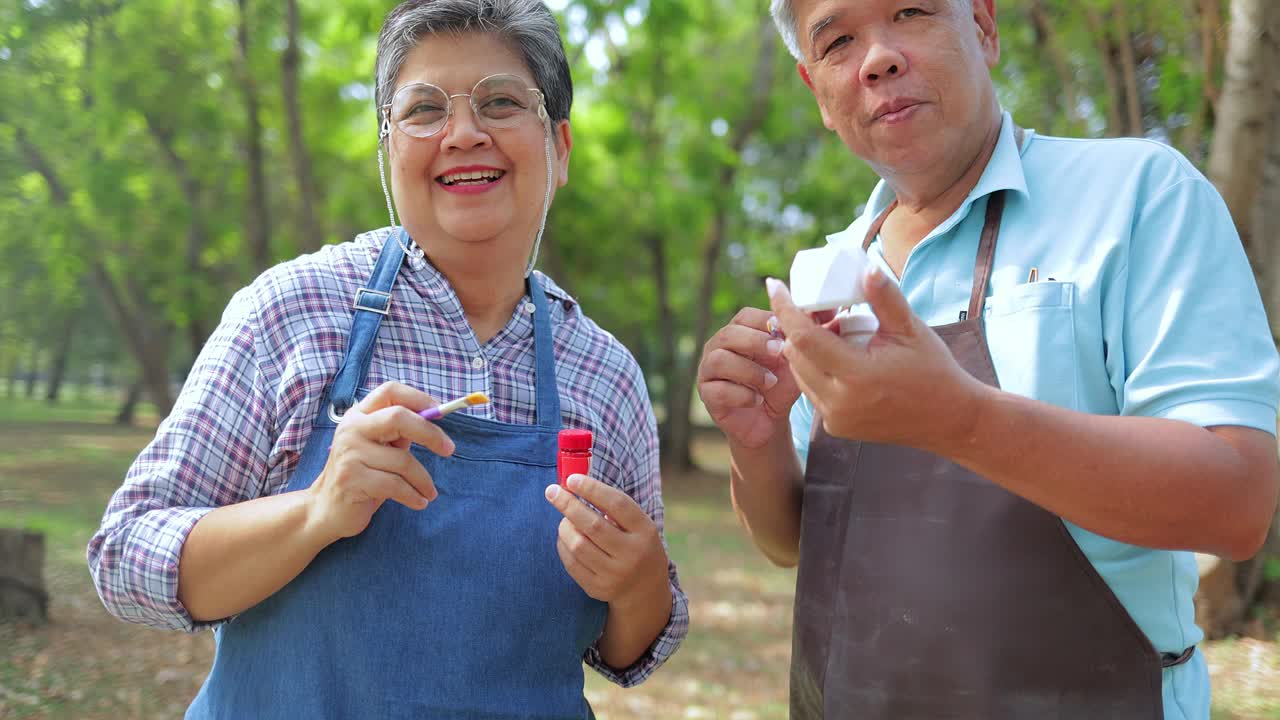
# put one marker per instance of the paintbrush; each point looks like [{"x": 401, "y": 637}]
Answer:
[{"x": 439, "y": 411}]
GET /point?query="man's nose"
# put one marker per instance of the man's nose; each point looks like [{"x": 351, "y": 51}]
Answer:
[{"x": 882, "y": 61}]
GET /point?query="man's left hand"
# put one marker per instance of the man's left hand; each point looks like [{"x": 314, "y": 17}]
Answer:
[
  {"x": 617, "y": 557},
  {"x": 903, "y": 387}
]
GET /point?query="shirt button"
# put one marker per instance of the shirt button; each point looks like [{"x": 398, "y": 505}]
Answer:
[
  {"x": 530, "y": 308},
  {"x": 478, "y": 362}
]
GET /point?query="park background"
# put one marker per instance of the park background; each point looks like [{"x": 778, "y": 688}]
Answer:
[{"x": 156, "y": 155}]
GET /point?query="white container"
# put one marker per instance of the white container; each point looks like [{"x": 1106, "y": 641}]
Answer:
[{"x": 828, "y": 278}]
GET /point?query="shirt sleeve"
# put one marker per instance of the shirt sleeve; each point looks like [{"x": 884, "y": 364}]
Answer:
[
  {"x": 212, "y": 450},
  {"x": 802, "y": 428},
  {"x": 642, "y": 480},
  {"x": 1186, "y": 334}
]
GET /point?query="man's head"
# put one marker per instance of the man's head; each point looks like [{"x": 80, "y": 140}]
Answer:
[{"x": 906, "y": 85}]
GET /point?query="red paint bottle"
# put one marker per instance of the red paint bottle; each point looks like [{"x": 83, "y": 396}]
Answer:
[{"x": 574, "y": 457}]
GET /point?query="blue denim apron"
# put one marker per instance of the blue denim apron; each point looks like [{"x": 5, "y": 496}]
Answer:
[{"x": 462, "y": 610}]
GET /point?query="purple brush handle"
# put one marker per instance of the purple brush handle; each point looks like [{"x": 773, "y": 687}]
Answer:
[{"x": 432, "y": 414}]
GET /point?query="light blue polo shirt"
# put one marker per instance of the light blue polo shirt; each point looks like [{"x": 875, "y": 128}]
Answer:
[{"x": 1145, "y": 305}]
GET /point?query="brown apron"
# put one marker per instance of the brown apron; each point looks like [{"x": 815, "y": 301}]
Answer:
[{"x": 927, "y": 591}]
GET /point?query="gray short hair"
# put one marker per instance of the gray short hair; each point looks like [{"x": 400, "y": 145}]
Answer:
[
  {"x": 784, "y": 17},
  {"x": 528, "y": 25}
]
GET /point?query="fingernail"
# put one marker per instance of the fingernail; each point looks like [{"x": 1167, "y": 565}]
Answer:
[
  {"x": 759, "y": 399},
  {"x": 575, "y": 482},
  {"x": 552, "y": 492},
  {"x": 769, "y": 380},
  {"x": 774, "y": 347},
  {"x": 875, "y": 276},
  {"x": 449, "y": 447},
  {"x": 775, "y": 330},
  {"x": 772, "y": 285}
]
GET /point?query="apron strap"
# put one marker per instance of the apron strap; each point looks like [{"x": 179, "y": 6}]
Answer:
[
  {"x": 371, "y": 304},
  {"x": 986, "y": 253},
  {"x": 544, "y": 351},
  {"x": 986, "y": 247}
]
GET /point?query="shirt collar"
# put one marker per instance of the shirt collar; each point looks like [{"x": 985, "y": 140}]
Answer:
[
  {"x": 427, "y": 274},
  {"x": 1004, "y": 171}
]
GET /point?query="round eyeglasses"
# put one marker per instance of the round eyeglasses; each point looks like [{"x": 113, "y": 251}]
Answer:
[{"x": 498, "y": 102}]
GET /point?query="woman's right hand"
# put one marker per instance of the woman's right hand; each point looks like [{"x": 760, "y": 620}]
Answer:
[
  {"x": 370, "y": 462},
  {"x": 745, "y": 382}
]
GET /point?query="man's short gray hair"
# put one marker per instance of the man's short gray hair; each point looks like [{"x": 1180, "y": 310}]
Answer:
[
  {"x": 785, "y": 18},
  {"x": 528, "y": 25}
]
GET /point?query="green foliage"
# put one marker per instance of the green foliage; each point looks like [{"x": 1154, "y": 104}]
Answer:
[{"x": 138, "y": 109}]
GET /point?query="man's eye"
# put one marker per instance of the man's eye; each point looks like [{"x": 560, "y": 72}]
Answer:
[
  {"x": 838, "y": 42},
  {"x": 910, "y": 13}
]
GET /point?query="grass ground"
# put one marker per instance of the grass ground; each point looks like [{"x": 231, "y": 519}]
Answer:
[{"x": 59, "y": 466}]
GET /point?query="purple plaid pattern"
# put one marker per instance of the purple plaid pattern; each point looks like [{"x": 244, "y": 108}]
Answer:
[{"x": 240, "y": 423}]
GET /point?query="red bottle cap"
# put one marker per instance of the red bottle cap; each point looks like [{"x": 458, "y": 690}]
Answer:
[{"x": 576, "y": 439}]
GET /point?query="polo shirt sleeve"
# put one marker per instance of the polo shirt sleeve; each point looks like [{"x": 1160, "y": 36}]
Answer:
[
  {"x": 1185, "y": 331},
  {"x": 802, "y": 428}
]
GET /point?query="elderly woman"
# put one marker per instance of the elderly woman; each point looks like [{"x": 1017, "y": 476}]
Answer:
[{"x": 356, "y": 559}]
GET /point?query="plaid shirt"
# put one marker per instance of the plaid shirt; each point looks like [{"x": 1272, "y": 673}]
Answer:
[{"x": 241, "y": 421}]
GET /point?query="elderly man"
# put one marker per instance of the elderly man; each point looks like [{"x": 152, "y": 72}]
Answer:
[{"x": 992, "y": 504}]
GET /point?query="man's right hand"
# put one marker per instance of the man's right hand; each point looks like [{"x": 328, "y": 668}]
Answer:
[{"x": 744, "y": 381}]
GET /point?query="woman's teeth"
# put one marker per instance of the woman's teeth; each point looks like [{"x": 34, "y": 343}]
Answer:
[{"x": 472, "y": 178}]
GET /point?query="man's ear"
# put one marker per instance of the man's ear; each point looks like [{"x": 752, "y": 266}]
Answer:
[
  {"x": 808, "y": 82},
  {"x": 984, "y": 15}
]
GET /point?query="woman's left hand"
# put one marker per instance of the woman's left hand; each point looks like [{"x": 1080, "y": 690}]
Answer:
[{"x": 617, "y": 557}]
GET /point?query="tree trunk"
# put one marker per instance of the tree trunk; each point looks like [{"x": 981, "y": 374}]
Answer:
[
  {"x": 1266, "y": 231},
  {"x": 33, "y": 370},
  {"x": 15, "y": 373},
  {"x": 22, "y": 590},
  {"x": 1108, "y": 56},
  {"x": 1129, "y": 71},
  {"x": 197, "y": 229},
  {"x": 1244, "y": 164},
  {"x": 257, "y": 220},
  {"x": 680, "y": 396},
  {"x": 1245, "y": 116},
  {"x": 669, "y": 333},
  {"x": 1200, "y": 44},
  {"x": 308, "y": 197},
  {"x": 1266, "y": 213},
  {"x": 61, "y": 357},
  {"x": 149, "y": 349},
  {"x": 1210, "y": 15},
  {"x": 127, "y": 411},
  {"x": 1047, "y": 38}
]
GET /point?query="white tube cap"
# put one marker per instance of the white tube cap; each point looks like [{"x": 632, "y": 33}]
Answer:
[{"x": 859, "y": 323}]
